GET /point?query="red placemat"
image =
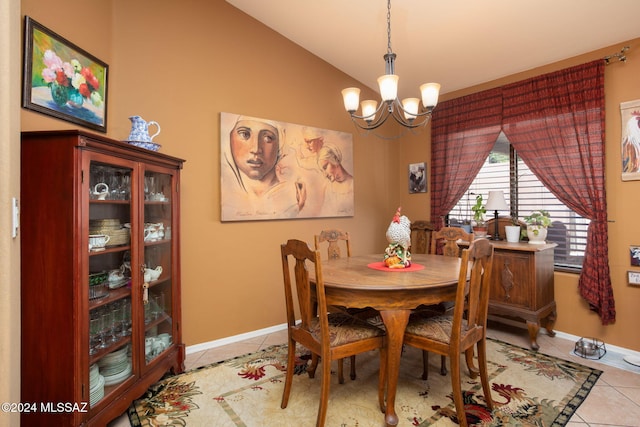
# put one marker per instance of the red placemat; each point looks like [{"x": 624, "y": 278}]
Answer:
[{"x": 382, "y": 267}]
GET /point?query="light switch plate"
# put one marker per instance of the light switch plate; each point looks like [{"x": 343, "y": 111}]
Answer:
[{"x": 15, "y": 217}]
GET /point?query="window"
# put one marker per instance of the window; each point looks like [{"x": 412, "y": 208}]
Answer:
[{"x": 504, "y": 170}]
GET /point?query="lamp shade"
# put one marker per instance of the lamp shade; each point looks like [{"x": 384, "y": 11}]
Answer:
[
  {"x": 430, "y": 92},
  {"x": 388, "y": 84},
  {"x": 369, "y": 109},
  {"x": 351, "y": 98},
  {"x": 496, "y": 201},
  {"x": 410, "y": 106}
]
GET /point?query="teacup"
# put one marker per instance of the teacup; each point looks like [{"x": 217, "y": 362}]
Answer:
[
  {"x": 151, "y": 235},
  {"x": 101, "y": 191},
  {"x": 152, "y": 274},
  {"x": 148, "y": 345},
  {"x": 97, "y": 241},
  {"x": 116, "y": 275},
  {"x": 158, "y": 347},
  {"x": 165, "y": 338}
]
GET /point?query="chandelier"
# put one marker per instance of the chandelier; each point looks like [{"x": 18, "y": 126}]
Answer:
[{"x": 408, "y": 112}]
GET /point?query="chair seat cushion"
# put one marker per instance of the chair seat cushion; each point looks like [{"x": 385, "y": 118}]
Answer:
[
  {"x": 344, "y": 329},
  {"x": 437, "y": 328}
]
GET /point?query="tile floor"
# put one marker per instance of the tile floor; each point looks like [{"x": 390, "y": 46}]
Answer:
[{"x": 614, "y": 401}]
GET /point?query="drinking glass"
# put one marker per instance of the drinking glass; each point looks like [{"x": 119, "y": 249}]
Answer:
[
  {"x": 126, "y": 318},
  {"x": 105, "y": 330},
  {"x": 158, "y": 305},
  {"x": 117, "y": 321},
  {"x": 95, "y": 331}
]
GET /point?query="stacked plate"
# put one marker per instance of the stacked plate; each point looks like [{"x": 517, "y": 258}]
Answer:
[
  {"x": 96, "y": 384},
  {"x": 119, "y": 235},
  {"x": 115, "y": 367}
]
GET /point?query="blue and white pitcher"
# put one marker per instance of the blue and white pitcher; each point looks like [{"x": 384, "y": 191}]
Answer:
[{"x": 140, "y": 129}]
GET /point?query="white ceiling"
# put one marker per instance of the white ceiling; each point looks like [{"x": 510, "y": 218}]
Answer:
[{"x": 457, "y": 43}]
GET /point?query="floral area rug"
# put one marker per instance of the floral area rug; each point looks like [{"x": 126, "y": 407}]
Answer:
[{"x": 528, "y": 388}]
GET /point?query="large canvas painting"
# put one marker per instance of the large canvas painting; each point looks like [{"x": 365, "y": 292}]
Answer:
[
  {"x": 276, "y": 170},
  {"x": 630, "y": 112}
]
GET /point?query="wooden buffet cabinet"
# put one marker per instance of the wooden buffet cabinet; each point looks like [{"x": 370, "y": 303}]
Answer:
[
  {"x": 100, "y": 324},
  {"x": 522, "y": 286}
]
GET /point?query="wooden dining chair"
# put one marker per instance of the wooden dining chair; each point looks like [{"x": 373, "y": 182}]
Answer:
[
  {"x": 329, "y": 336},
  {"x": 421, "y": 236},
  {"x": 451, "y": 334},
  {"x": 445, "y": 240},
  {"x": 333, "y": 237}
]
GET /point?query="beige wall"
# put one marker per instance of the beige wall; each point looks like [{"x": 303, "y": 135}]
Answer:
[
  {"x": 10, "y": 73},
  {"x": 181, "y": 64}
]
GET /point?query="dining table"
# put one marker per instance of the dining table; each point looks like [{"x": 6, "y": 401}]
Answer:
[{"x": 363, "y": 281}]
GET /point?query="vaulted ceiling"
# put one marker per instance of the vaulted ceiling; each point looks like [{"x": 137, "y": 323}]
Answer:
[{"x": 457, "y": 43}]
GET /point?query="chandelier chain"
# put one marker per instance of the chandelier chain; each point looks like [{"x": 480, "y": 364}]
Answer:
[{"x": 389, "y": 27}]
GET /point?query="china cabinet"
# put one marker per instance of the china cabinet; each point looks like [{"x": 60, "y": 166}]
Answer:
[{"x": 100, "y": 299}]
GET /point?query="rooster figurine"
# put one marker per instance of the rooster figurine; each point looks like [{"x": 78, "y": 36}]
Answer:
[{"x": 399, "y": 236}]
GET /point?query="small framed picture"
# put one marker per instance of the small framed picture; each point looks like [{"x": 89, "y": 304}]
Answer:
[
  {"x": 417, "y": 178},
  {"x": 62, "y": 80},
  {"x": 634, "y": 253}
]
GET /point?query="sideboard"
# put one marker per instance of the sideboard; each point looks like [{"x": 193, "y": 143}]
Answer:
[{"x": 522, "y": 287}]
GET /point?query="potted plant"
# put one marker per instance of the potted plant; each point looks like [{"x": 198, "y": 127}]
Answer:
[
  {"x": 512, "y": 231},
  {"x": 537, "y": 224},
  {"x": 479, "y": 225}
]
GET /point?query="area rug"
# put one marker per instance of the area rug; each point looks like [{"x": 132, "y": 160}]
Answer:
[{"x": 528, "y": 388}]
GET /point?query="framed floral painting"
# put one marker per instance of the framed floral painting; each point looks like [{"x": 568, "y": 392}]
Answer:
[{"x": 62, "y": 80}]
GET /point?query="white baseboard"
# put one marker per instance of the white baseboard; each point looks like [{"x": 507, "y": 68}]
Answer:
[
  {"x": 620, "y": 350},
  {"x": 283, "y": 326},
  {"x": 234, "y": 339}
]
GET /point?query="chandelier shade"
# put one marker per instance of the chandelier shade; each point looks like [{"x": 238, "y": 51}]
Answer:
[{"x": 407, "y": 113}]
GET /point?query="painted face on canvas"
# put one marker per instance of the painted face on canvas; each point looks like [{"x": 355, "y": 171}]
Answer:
[
  {"x": 254, "y": 147},
  {"x": 332, "y": 171}
]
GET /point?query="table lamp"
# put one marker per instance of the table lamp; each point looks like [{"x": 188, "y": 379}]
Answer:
[{"x": 496, "y": 203}]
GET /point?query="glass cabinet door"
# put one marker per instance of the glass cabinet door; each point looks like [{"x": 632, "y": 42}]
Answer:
[
  {"x": 109, "y": 275},
  {"x": 158, "y": 262}
]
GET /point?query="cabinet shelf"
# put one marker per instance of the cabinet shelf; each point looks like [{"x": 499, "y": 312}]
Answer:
[{"x": 114, "y": 295}]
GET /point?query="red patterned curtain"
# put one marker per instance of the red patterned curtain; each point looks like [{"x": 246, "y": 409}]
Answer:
[
  {"x": 463, "y": 131},
  {"x": 556, "y": 124}
]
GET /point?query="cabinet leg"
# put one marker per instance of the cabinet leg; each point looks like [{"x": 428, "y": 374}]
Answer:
[
  {"x": 533, "y": 334},
  {"x": 550, "y": 322}
]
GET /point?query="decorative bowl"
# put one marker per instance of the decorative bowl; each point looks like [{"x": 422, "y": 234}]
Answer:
[{"x": 152, "y": 146}]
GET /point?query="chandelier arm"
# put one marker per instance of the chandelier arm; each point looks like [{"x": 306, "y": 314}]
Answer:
[
  {"x": 427, "y": 111},
  {"x": 410, "y": 124},
  {"x": 382, "y": 104},
  {"x": 374, "y": 124}
]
